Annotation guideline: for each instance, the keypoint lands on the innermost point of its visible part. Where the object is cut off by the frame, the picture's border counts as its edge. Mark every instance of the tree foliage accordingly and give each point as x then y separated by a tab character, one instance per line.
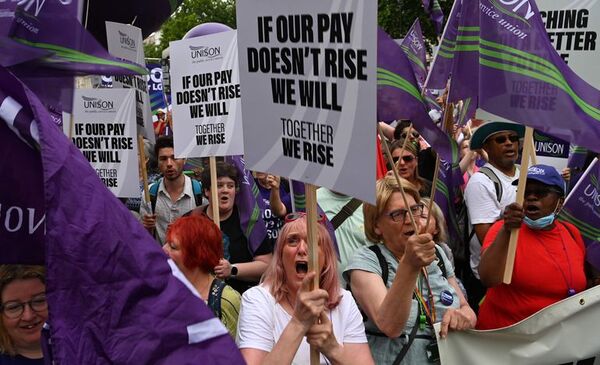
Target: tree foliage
189	14
395	17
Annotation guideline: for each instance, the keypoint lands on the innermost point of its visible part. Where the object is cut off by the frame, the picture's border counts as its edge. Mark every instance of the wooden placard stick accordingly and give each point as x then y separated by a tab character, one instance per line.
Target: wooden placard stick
143	170
214	191
313	248
514	234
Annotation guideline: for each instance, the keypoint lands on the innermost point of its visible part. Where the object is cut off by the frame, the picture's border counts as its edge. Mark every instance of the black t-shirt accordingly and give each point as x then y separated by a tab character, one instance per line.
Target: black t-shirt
239	250
19	360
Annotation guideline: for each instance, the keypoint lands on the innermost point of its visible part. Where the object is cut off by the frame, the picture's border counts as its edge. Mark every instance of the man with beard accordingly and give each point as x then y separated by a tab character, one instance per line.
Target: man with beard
244	268
174	194
490	190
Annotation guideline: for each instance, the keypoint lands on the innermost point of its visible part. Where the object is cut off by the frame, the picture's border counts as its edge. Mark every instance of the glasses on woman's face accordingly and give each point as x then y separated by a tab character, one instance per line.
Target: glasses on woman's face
414	135
399	215
406	159
502	139
14	309
297	215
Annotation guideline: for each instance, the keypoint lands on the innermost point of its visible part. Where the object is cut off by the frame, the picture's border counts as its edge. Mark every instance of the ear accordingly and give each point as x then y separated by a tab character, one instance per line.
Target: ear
206	193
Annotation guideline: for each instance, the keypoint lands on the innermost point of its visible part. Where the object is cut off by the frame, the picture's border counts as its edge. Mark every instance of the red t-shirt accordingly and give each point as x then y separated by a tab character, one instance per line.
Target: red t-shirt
542	274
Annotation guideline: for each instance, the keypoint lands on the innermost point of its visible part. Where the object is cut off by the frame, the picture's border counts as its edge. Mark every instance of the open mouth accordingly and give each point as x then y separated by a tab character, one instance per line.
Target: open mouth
30	326
301	267
531	209
409	233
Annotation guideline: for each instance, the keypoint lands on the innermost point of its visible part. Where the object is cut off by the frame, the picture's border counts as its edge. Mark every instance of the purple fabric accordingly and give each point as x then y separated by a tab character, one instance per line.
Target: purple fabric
249	204
112	297
442	63
521	76
576	162
582	209
433	9
206	29
414	47
398	96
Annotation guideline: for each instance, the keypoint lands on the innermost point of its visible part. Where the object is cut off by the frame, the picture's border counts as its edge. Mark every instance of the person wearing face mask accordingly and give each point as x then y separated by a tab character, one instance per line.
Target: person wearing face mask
550	256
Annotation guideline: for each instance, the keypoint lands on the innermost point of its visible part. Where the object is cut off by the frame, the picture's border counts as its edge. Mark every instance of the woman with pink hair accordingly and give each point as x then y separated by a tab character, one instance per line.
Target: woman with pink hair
281	317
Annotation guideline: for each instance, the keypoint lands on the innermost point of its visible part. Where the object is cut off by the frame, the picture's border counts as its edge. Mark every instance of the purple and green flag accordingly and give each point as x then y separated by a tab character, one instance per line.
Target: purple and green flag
506	60
249	204
113	298
399	96
448	195
582	209
576	162
414	48
433	9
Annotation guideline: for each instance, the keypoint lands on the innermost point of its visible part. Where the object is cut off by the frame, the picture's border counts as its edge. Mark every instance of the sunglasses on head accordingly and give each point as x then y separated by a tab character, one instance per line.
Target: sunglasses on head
502	139
414	134
297	215
406	159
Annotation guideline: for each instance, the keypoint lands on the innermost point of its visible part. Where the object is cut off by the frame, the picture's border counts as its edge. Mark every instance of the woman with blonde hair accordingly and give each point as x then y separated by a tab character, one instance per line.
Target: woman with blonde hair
281	317
24	311
401	314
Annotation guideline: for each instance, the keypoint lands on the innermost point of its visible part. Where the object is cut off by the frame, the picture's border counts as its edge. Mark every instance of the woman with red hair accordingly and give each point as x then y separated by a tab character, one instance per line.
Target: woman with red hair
281	317
194	243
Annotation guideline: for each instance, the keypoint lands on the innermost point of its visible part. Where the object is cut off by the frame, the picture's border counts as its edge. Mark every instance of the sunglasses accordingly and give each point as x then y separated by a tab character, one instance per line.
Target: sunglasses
297	215
541	192
502	139
406	159
414	134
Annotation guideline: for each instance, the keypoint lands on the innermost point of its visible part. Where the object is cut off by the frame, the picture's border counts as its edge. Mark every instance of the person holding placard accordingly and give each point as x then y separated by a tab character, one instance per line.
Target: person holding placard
245	266
277	201
175	194
278	318
382	278
550	256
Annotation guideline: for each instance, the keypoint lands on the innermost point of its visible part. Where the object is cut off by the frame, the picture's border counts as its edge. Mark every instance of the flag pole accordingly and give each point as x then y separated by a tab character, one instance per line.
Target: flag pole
313	245
514	234
214	191
142	154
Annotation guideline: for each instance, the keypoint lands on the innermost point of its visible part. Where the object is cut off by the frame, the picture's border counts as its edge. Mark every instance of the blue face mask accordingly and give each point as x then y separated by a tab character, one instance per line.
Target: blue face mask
539	223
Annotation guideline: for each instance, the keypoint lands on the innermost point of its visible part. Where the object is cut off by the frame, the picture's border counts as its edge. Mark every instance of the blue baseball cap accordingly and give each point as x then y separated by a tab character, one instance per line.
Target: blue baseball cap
547	175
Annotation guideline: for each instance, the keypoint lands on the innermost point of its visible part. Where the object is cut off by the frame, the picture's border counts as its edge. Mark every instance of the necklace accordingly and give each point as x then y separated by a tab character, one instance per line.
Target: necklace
570	290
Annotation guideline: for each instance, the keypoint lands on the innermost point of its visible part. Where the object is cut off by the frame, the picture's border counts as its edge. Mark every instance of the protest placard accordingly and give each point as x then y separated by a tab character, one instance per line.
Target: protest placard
573	30
308	73
125	41
104	131
205	92
550	150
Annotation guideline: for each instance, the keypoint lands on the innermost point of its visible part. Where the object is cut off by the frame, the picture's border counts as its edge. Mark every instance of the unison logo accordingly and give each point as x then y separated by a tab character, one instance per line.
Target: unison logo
518	9
204	52
96	103
126	40
39	4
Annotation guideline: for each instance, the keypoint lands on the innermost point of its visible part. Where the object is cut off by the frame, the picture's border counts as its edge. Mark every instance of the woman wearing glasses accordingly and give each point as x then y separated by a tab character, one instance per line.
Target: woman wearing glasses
281	317
401	314
550	256
24	311
407	163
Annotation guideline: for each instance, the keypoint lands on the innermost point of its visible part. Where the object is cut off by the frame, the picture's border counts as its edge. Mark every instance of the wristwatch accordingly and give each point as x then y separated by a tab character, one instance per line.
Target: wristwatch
234	271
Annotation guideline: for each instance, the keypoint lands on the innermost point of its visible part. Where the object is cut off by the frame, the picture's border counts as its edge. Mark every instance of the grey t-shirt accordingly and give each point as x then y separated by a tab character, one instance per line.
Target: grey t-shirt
386	349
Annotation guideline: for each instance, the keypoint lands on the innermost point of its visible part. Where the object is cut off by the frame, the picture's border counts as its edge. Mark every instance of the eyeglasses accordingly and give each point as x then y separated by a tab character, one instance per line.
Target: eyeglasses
297	215
14	310
541	192
414	134
502	139
399	215
406	159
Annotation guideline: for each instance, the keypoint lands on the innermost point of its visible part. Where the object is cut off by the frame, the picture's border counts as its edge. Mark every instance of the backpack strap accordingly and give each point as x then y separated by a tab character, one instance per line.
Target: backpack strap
345	212
382	263
214	297
441	264
492	176
411	338
568	230
154	192
197	189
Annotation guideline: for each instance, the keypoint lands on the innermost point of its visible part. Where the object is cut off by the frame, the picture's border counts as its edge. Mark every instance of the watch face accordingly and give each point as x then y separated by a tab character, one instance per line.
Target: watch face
234	270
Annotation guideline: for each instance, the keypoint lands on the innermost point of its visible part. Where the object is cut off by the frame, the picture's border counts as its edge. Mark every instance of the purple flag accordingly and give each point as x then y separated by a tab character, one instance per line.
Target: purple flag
433	9
441	66
112	296
448	195
249	204
576	162
508	62
399	97
414	48
582	208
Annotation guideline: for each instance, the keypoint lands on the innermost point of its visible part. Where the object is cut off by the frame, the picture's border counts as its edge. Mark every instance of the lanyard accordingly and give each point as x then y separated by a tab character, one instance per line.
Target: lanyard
427	306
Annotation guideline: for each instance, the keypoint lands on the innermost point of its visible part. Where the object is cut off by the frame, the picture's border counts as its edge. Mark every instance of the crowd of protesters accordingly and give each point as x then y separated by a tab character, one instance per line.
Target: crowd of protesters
367	308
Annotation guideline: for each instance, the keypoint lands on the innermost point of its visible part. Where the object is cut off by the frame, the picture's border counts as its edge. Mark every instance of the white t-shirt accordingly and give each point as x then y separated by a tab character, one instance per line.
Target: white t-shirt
262	321
483	206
